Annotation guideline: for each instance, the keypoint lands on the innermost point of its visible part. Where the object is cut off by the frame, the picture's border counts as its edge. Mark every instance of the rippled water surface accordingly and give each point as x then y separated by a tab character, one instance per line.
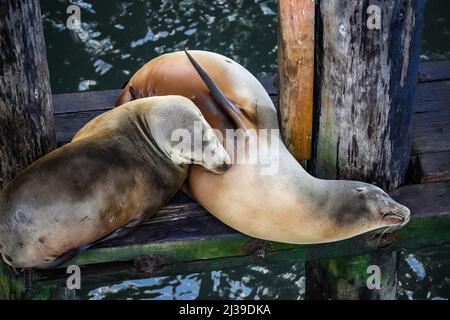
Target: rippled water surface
117	37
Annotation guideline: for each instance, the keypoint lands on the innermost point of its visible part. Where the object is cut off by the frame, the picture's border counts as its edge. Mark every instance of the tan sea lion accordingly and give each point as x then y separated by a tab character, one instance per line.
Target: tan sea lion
121	167
288	206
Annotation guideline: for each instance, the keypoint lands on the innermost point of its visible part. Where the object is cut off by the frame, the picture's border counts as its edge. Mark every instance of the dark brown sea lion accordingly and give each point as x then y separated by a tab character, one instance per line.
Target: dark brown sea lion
120	168
287	204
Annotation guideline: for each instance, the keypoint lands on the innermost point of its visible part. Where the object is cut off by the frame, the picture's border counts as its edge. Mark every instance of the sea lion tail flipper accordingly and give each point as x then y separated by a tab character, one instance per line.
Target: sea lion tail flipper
231	109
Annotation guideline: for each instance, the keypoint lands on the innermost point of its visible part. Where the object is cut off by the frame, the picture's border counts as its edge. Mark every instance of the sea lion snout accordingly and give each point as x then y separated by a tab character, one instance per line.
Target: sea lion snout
397	214
224	167
219	169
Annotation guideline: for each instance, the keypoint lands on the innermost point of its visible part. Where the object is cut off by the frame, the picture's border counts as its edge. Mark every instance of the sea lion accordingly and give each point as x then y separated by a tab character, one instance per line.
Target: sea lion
288	206
119	169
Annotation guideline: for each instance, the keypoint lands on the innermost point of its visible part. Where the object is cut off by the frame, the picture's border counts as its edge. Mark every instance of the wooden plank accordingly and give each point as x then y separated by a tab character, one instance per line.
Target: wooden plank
419	233
268	82
190	234
431	132
434	71
68	124
435	167
84	101
105	100
296	74
425	200
432	96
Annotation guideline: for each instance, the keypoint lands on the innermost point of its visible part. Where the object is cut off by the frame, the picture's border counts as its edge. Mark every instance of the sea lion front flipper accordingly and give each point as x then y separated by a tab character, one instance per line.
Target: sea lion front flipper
119	233
63	258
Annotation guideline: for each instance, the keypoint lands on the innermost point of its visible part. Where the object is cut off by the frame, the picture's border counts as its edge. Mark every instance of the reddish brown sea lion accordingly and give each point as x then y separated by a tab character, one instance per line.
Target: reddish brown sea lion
288	205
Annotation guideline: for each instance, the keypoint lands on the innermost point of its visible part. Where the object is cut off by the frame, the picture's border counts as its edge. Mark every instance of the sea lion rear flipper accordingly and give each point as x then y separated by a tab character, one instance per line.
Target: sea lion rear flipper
233	110
126	95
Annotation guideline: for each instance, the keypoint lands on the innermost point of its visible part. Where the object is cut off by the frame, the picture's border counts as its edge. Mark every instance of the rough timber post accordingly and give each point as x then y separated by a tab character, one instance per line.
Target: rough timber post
296	74
26	115
367	56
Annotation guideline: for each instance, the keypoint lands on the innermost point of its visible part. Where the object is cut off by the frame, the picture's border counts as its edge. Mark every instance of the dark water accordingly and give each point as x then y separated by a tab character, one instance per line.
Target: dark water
117	37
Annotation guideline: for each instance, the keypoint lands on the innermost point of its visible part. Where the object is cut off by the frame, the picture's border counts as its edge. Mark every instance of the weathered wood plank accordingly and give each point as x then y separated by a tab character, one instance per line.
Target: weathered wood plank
419	233
434	71
105	100
435	167
430	205
431	132
268	82
68	124
296	74
425	200
188	235
84	101
432	96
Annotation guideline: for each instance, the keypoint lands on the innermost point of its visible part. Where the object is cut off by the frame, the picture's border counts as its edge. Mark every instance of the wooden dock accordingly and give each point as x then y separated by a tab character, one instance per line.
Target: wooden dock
184	237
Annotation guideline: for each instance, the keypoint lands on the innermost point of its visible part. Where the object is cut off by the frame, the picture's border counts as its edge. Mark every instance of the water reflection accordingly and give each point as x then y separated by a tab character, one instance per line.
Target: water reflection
425	274
254	282
117	37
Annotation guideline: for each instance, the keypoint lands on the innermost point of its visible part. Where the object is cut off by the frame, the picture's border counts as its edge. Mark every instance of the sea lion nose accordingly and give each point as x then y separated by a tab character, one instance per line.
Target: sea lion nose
224	167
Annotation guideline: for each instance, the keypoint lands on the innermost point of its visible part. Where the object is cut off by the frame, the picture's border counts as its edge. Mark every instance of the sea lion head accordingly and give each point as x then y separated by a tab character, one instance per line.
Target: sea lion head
184	135
363	207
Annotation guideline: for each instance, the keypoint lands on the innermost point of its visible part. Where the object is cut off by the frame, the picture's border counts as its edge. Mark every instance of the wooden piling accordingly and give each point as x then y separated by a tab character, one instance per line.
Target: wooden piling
367	57
26	114
366	79
296	74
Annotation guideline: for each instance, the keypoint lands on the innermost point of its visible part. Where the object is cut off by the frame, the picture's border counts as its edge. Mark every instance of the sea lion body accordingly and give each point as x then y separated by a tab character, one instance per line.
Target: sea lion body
288	205
115	172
